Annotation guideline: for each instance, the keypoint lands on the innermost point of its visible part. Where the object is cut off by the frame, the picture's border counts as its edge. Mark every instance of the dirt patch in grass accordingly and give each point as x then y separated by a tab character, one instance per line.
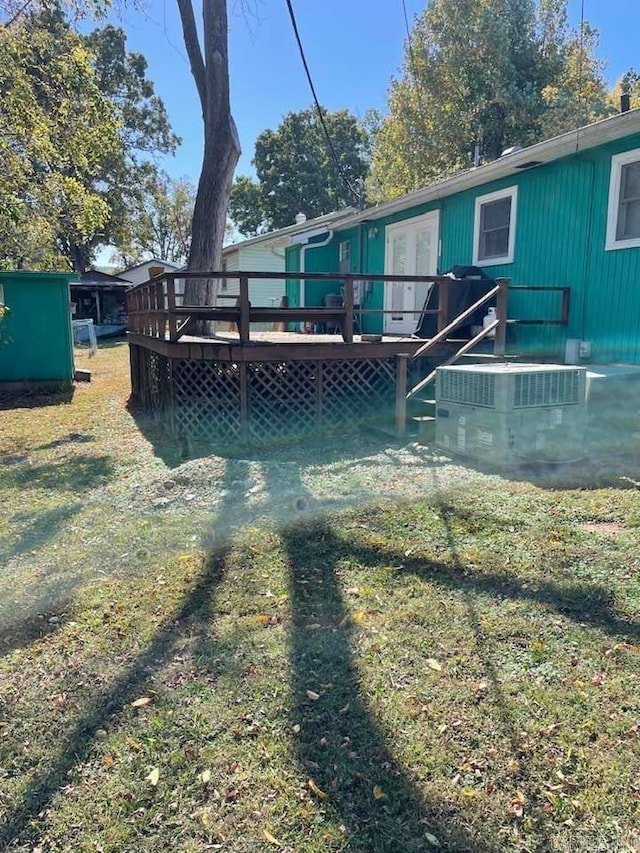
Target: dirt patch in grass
348	647
608	528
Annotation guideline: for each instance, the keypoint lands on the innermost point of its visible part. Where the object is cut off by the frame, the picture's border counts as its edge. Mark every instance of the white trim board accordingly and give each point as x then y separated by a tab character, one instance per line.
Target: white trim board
617	162
507	192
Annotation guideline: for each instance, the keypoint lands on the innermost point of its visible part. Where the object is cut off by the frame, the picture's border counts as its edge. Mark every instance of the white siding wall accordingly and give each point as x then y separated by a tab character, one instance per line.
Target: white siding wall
268	292
141	273
263	293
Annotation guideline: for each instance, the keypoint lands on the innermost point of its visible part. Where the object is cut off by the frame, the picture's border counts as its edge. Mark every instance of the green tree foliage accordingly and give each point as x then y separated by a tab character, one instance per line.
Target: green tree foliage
78	119
297	174
489	72
628	84
161	224
55	125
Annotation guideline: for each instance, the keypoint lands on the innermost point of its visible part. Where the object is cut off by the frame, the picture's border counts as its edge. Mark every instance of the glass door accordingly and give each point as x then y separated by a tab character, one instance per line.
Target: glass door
411	249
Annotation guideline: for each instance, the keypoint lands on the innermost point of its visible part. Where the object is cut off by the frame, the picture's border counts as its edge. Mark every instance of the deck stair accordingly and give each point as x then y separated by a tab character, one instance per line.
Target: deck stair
421	404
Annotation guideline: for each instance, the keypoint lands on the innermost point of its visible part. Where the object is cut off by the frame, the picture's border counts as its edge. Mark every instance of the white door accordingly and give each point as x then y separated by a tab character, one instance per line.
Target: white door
411	249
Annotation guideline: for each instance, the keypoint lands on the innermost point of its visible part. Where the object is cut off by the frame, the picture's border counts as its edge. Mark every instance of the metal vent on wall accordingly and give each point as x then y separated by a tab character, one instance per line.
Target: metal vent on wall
546	389
478	389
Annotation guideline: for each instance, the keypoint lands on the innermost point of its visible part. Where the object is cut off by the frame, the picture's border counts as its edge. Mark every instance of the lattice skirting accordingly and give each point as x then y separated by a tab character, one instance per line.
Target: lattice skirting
262	402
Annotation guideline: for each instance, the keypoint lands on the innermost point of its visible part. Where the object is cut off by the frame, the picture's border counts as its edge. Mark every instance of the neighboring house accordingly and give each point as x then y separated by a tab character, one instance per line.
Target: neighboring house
266	253
100	297
143	272
564	212
36	344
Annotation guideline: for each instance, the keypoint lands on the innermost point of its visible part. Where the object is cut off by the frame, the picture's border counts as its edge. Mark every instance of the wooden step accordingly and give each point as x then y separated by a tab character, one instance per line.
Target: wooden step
426	426
488	356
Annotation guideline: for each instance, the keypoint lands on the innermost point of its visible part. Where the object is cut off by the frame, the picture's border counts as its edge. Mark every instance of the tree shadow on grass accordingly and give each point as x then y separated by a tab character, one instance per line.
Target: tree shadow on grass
104	708
35	399
340	746
80	472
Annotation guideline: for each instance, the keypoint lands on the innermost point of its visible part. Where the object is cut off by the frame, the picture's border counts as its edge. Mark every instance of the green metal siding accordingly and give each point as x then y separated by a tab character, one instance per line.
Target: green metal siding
560	235
37	342
560	240
292	286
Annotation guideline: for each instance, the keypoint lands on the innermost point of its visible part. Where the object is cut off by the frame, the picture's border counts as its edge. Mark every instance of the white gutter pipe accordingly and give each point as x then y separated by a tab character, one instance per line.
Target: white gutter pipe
303	251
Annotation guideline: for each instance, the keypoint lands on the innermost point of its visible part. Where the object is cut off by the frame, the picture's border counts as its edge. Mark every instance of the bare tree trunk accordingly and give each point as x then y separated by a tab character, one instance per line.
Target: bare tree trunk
221	145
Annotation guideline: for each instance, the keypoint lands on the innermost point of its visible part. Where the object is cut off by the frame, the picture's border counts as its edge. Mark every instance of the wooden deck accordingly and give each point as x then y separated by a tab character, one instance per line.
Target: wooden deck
253	387
278	346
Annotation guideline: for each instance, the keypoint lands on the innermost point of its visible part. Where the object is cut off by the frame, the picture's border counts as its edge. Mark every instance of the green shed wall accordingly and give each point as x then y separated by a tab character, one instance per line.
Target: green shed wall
561	224
37	343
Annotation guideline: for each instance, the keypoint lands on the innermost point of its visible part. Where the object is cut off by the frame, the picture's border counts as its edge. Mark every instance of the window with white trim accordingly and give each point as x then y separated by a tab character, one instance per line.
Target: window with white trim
623	218
495	227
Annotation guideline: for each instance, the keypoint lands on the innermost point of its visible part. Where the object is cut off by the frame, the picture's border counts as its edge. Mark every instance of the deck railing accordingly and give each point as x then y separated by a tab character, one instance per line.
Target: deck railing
154	310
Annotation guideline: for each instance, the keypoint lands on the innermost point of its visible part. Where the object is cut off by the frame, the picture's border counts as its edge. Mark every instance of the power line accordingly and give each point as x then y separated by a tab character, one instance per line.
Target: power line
341	171
412	66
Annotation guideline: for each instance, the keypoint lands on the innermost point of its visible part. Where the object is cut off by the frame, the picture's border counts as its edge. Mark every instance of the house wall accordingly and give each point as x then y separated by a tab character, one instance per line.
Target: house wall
560	234
140	274
560	240
36	342
263	293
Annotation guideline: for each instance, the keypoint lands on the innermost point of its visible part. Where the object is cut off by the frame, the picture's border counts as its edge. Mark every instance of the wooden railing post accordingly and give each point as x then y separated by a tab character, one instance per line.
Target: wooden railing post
402	362
347	331
443	303
500	340
171	305
161	330
245	307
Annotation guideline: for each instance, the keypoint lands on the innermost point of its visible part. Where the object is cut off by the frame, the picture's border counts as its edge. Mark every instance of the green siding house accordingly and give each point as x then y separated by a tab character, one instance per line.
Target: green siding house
36	342
562	213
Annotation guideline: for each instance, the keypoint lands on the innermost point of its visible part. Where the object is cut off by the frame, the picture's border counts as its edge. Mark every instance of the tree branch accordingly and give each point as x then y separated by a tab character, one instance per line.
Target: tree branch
194	53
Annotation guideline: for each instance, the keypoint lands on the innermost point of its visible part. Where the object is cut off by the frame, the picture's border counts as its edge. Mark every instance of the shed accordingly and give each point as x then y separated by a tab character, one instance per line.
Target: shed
36	343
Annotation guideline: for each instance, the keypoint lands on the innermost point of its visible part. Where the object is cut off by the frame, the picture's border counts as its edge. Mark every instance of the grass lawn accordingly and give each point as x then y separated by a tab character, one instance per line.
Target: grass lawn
344	648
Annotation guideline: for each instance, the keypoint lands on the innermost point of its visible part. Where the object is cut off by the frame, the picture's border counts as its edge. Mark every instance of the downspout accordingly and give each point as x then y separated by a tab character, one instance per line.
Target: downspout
303	251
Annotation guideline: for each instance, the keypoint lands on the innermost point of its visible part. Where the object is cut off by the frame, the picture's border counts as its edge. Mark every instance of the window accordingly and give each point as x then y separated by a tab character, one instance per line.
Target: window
623	219
495	227
344	256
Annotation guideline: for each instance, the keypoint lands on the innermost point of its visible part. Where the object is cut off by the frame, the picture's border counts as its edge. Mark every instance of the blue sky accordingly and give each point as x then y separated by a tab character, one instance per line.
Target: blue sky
353	47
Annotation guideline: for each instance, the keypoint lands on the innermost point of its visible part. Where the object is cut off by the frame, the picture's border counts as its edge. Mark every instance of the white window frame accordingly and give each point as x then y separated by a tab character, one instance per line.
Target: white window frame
508	192
617	162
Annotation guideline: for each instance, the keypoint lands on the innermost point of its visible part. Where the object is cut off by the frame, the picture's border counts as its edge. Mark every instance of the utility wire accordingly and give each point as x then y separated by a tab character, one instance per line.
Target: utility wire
357	195
580	114
413	68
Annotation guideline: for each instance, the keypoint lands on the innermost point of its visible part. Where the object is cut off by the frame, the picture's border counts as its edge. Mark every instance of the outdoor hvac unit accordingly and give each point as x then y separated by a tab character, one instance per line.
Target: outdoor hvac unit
511	414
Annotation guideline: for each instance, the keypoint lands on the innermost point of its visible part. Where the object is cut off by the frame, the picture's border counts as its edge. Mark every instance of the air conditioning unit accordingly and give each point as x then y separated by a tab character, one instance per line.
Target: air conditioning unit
511	414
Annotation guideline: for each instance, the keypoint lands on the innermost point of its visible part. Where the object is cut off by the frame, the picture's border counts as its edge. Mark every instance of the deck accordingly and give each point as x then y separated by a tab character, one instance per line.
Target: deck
278	346
254	387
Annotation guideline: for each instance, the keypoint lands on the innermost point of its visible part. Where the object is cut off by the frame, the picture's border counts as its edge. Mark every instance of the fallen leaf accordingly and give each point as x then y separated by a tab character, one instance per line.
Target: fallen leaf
108	761
154	776
432	663
378	793
296	729
205	776
134	744
432	840
263	619
271	838
311	694
140	703
316	790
